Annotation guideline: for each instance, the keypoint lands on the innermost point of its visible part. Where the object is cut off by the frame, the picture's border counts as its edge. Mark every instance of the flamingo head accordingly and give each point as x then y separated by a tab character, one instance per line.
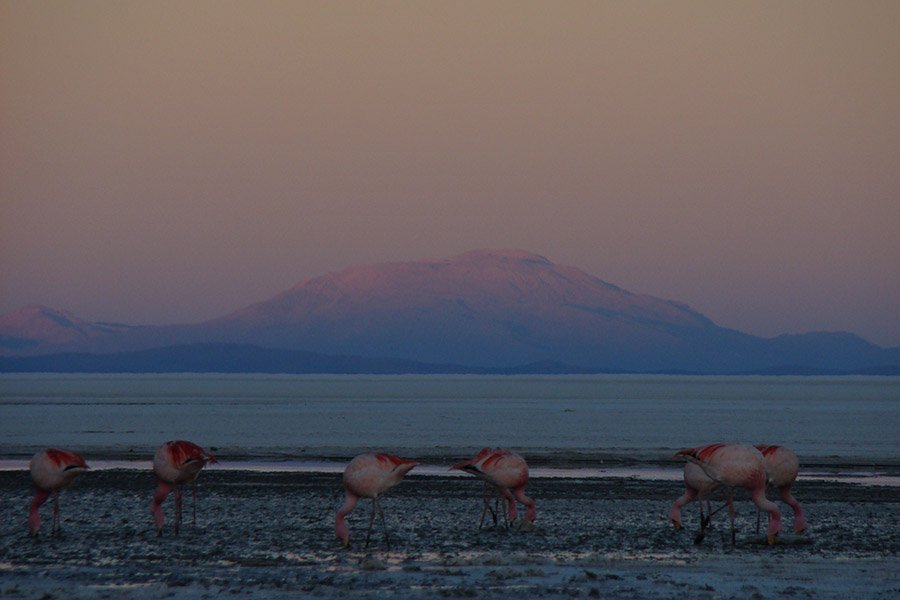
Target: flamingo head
468	467
342	532
405	466
675	517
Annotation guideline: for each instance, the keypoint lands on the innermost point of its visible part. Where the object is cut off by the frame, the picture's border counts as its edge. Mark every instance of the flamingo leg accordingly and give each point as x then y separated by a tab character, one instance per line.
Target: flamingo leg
705	522
387	539
492	492
194	504
178	504
488	495
55	529
704	518
731	518
509	504
371	521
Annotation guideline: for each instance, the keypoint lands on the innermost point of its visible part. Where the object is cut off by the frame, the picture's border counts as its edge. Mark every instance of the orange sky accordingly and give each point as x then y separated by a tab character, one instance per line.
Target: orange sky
172	161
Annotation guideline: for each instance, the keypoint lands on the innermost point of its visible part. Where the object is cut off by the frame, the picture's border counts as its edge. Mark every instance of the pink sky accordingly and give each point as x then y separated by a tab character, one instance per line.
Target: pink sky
168	161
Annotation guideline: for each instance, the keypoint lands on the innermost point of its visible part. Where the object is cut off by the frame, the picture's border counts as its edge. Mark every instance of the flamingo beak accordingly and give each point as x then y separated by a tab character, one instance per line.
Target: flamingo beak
770	539
677	525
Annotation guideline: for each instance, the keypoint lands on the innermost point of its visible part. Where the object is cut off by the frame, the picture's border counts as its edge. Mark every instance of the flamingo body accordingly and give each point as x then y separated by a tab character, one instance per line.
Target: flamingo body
736	466
175	464
782	467
506	471
368	476
51	471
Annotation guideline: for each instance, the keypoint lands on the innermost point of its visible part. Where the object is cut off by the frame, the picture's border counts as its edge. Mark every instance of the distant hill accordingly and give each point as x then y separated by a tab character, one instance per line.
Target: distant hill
243	358
488	310
216	358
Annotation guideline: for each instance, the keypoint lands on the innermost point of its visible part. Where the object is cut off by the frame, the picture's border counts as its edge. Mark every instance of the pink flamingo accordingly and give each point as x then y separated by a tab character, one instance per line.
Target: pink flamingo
782	467
368	476
736	466
176	463
52	470
507	473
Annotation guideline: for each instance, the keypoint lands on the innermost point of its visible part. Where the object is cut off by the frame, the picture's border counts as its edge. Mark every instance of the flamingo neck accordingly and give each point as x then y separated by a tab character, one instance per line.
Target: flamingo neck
34	516
162	490
686	498
340	523
759	498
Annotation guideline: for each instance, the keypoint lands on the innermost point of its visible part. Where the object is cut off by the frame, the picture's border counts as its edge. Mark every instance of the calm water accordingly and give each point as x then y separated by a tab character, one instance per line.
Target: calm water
565	419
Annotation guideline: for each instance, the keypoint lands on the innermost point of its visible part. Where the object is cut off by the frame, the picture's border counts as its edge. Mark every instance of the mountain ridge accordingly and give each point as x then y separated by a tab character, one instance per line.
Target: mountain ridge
493	309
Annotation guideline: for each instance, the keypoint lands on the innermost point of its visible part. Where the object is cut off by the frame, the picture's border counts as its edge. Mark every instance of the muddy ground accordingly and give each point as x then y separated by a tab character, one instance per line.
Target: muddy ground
271	535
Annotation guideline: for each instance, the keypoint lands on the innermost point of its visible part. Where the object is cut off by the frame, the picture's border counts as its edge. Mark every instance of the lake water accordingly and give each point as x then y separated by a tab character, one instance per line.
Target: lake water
554	420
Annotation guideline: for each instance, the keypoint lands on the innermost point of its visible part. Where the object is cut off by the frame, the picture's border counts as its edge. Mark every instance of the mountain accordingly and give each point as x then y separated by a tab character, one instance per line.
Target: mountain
487	309
37	327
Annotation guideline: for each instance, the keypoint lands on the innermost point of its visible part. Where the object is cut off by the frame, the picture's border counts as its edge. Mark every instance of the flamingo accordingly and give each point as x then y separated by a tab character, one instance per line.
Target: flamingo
737	466
174	464
368	476
507	473
782	466
51	471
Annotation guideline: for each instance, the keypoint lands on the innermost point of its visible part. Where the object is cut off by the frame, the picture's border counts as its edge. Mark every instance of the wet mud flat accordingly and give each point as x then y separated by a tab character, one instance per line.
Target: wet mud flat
271	535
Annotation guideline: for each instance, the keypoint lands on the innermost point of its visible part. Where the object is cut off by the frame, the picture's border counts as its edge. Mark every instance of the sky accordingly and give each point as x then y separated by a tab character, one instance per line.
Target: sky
168	162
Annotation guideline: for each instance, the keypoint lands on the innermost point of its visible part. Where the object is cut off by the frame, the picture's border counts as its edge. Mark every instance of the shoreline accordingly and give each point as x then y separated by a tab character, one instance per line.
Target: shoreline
853	475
